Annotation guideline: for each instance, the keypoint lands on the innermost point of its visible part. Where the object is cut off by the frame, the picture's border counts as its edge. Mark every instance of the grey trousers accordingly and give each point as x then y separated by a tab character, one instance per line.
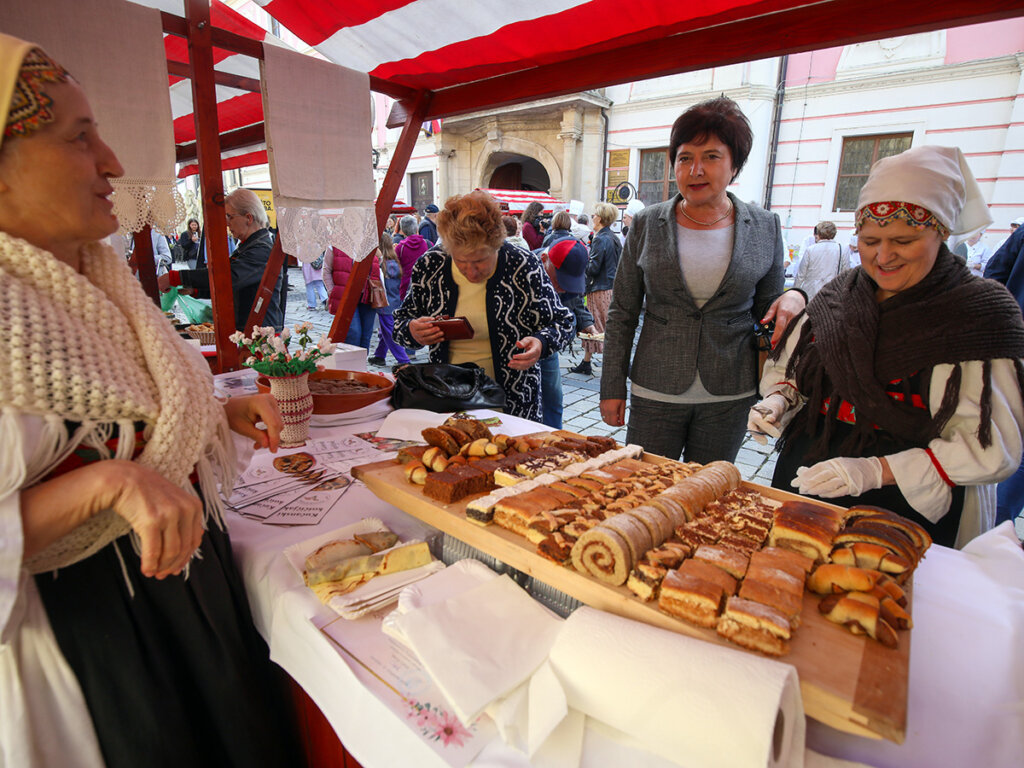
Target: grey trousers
703	432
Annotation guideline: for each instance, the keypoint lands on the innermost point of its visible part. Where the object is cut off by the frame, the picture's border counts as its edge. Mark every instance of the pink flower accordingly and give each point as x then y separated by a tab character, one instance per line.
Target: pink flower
425	718
450	730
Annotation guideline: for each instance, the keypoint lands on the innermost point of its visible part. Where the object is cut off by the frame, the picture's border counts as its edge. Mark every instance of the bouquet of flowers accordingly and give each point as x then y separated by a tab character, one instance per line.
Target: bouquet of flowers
269	352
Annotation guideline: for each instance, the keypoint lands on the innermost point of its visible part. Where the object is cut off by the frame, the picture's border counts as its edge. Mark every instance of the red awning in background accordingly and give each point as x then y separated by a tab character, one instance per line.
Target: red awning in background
485	53
518	199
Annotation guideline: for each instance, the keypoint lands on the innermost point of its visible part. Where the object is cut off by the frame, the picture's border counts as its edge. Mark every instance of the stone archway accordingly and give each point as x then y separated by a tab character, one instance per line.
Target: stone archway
505	149
518	172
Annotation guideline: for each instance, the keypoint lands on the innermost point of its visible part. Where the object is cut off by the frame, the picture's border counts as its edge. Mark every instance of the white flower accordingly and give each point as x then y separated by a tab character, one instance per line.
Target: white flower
286	334
302	355
251	360
325	346
278	345
304	327
237	337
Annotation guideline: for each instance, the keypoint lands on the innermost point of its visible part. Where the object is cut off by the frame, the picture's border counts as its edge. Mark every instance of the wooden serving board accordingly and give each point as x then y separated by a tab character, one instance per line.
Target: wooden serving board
848	682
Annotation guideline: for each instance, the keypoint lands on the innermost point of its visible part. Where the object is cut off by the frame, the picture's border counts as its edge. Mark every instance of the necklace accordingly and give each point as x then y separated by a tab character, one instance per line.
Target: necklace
705	223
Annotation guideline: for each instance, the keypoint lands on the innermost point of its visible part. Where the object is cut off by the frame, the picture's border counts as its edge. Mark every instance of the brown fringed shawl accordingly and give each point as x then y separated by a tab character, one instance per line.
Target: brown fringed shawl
851	347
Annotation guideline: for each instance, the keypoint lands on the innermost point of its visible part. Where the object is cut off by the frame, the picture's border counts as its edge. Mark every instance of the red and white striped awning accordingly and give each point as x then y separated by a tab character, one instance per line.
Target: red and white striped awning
477	54
518	199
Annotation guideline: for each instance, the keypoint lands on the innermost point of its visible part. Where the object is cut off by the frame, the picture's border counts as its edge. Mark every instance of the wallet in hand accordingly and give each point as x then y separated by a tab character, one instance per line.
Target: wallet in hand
454	328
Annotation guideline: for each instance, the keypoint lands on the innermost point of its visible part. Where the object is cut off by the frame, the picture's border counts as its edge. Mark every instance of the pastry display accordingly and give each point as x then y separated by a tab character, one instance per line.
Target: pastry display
688	538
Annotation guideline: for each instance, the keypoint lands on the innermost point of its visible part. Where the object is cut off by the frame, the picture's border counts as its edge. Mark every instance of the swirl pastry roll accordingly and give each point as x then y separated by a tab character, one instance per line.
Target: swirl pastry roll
657	522
603	554
634	532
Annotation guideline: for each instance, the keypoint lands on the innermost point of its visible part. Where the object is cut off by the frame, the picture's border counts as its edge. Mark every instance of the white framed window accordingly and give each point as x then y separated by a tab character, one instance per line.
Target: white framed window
853	150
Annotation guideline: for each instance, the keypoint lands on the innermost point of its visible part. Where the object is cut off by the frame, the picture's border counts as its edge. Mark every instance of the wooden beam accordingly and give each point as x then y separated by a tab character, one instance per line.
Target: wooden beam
182	69
385	199
265	293
721	40
242	137
204	101
229	41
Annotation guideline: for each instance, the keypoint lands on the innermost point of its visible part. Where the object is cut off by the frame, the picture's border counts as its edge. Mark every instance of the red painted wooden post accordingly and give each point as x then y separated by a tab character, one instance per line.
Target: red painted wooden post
265	293
204	109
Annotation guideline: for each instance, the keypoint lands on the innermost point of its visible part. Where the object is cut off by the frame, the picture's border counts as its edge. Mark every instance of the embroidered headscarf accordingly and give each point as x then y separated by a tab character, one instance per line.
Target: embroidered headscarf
926	187
24	71
90	354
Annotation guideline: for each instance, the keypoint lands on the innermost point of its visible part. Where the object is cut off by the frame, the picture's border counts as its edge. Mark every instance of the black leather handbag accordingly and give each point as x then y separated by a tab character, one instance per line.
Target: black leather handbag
443	387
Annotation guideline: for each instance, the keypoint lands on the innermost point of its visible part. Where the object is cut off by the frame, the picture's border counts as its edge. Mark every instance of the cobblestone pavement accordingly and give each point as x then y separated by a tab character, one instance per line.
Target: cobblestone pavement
579	394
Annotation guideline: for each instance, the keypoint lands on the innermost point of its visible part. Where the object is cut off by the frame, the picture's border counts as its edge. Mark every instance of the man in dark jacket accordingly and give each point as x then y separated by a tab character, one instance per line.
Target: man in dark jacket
247	222
428	229
1007	267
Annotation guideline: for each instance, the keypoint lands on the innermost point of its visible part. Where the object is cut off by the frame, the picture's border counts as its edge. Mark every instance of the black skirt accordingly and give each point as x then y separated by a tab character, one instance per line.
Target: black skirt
175	675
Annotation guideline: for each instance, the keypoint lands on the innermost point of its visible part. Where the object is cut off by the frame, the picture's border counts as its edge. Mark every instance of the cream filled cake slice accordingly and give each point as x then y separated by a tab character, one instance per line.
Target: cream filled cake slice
755	626
691	598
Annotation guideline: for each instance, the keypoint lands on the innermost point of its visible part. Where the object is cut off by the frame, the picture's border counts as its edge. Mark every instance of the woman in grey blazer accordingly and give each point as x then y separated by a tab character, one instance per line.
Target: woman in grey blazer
707	266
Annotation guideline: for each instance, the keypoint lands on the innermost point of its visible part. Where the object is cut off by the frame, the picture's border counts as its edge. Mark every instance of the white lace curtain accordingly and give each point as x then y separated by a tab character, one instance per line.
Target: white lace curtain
317	120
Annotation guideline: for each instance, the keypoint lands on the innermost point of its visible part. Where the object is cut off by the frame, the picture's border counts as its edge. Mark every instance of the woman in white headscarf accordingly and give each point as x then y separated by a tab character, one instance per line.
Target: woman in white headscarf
141	652
900	385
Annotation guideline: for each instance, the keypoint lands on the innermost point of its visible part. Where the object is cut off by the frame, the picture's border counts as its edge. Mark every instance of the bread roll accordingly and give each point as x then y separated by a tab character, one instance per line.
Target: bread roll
828	579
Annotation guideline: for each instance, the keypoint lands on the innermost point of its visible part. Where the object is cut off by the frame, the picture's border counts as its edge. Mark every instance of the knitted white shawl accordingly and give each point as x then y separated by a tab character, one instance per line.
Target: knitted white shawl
92	348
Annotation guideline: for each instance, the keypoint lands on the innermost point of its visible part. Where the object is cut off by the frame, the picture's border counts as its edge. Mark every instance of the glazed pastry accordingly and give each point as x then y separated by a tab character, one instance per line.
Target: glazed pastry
860	616
828	579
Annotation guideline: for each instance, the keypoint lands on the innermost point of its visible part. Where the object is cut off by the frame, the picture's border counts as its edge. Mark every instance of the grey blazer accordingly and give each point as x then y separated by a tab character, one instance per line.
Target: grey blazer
678	338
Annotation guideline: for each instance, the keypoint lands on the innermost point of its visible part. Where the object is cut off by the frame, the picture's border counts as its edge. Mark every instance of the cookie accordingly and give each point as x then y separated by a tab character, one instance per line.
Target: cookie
294	463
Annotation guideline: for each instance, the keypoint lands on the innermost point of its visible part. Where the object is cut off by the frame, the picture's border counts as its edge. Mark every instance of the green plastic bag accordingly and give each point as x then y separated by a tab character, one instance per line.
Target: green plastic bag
196	311
168	299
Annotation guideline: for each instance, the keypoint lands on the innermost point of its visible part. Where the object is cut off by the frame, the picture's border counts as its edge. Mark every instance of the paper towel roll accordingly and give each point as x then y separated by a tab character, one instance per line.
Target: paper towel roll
692	702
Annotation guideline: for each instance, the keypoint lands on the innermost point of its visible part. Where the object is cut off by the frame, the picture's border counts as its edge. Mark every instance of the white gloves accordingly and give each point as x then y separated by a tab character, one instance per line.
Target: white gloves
768	418
839	477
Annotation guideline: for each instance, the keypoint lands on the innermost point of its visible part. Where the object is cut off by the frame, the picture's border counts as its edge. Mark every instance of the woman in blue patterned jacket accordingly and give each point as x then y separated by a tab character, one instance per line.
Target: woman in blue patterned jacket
502	290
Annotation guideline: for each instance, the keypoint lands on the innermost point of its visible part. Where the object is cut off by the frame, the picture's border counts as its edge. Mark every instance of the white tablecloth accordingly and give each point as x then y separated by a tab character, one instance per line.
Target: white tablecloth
966	667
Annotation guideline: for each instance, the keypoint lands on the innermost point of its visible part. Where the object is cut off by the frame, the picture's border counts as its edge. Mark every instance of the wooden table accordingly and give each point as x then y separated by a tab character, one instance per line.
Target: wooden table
849	682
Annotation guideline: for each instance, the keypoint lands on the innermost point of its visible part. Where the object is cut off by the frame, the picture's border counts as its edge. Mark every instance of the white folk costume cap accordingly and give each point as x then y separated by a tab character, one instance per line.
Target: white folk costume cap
926	186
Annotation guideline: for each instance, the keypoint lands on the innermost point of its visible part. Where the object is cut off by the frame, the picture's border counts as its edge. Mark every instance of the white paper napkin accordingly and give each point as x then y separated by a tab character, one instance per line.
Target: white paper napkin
409	423
480	644
689	701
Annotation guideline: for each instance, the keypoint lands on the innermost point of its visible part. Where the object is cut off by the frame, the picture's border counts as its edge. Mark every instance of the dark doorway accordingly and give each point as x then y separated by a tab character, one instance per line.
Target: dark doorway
422	189
509	176
515	171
